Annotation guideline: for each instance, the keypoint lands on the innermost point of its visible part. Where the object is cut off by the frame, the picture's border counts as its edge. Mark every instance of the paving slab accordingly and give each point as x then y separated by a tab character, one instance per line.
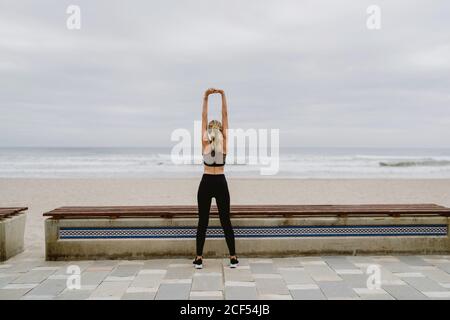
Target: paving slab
173	291
49	287
212	265
373	294
241	291
156	264
110	291
424	284
414	261
387	277
266	285
438	295
295	275
322	273
4	266
437	275
444	267
93	278
271	296
74	294
13	294
207	281
22	267
337	290
37	297
241	273
136	293
126	270
307	294
7	278
396	266
360	259
305	277
149	278
258	267
404	292
206	295
339	262
34	276
287	262
355	280
179	272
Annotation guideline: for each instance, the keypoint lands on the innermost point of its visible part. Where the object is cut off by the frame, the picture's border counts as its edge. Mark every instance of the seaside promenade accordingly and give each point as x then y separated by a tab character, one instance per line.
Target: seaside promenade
29	276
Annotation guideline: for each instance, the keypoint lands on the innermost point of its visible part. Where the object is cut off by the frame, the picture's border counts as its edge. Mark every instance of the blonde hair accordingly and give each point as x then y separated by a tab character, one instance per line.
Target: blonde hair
215	135
215	124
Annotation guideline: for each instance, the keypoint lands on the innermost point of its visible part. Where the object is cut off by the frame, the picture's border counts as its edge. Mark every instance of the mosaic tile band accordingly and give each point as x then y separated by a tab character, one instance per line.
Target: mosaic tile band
256	232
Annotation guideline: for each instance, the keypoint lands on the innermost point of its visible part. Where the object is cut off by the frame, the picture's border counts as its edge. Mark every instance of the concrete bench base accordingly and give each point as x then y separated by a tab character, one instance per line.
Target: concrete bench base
12	231
142	238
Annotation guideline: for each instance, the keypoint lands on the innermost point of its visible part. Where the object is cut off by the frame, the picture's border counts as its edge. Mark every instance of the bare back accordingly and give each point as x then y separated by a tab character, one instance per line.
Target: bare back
206	147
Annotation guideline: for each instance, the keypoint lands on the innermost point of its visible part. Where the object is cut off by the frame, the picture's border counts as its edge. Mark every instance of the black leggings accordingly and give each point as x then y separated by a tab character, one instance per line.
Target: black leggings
214	186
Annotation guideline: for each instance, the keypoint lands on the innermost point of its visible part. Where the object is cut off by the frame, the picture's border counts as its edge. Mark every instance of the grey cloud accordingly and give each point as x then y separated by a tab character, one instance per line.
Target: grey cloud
136	71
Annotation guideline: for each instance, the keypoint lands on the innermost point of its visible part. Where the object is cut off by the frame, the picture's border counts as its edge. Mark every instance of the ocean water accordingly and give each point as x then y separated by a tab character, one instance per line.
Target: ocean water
158	162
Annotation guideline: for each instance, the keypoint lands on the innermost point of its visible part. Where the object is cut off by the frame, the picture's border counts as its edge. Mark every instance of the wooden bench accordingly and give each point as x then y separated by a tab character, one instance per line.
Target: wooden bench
12	230
154	231
372	210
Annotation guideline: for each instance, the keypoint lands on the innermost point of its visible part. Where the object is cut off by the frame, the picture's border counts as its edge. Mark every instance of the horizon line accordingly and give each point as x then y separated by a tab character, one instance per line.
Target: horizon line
165	146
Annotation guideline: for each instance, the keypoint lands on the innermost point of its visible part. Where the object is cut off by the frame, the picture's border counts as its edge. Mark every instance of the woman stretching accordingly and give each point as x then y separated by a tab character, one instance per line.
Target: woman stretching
213	183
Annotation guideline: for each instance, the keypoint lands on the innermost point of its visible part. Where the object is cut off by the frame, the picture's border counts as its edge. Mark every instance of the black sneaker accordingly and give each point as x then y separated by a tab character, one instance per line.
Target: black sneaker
234	262
198	263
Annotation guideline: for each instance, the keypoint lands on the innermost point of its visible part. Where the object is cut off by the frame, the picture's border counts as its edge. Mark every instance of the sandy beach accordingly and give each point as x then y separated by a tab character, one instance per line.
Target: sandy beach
42	195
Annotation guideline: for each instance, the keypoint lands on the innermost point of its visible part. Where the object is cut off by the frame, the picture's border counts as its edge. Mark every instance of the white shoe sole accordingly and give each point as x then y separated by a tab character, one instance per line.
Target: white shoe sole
234	265
198	266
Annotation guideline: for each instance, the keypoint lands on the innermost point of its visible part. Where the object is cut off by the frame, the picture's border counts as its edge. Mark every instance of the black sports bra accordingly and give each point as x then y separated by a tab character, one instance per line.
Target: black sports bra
214	159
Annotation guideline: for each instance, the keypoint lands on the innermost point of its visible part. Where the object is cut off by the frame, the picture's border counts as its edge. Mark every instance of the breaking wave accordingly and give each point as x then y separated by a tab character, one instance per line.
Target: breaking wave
416	163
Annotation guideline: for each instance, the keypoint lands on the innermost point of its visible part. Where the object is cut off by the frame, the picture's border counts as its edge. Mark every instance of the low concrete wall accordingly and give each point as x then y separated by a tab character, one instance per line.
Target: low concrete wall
135	248
12	230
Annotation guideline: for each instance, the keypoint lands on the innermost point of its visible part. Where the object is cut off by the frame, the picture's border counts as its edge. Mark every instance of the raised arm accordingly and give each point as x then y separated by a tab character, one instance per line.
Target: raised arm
224	120
205	116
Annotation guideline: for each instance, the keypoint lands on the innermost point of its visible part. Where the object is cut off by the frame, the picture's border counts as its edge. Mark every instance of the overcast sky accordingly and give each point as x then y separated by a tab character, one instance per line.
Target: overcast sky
137	70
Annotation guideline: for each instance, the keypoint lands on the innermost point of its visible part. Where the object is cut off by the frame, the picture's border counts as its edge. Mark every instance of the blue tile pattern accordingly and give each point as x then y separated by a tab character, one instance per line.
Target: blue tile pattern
257	231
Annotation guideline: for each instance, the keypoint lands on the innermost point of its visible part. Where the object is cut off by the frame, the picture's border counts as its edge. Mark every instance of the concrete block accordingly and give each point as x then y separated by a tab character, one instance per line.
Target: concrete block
12	231
144	248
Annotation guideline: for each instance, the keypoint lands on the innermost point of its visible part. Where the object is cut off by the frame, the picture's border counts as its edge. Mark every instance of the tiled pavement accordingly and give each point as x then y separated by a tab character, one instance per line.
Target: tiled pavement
327	277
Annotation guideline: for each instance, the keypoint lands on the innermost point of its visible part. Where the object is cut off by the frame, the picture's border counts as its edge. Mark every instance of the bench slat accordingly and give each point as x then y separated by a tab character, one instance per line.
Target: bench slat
259	205
254	210
332	208
10	211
